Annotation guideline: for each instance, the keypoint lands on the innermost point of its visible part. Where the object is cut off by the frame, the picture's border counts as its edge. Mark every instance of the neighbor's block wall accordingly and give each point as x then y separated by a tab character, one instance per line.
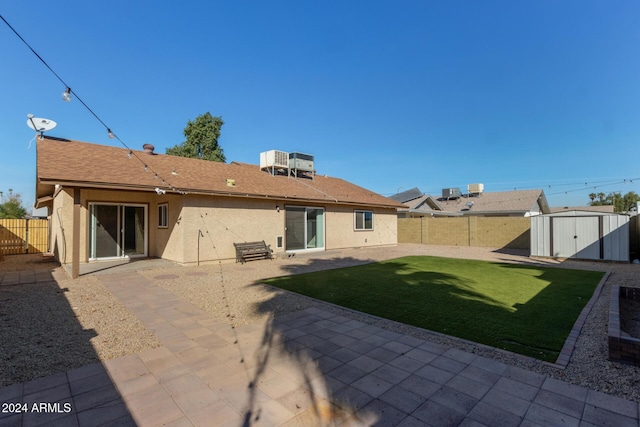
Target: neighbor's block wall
410	230
494	232
498	232
447	231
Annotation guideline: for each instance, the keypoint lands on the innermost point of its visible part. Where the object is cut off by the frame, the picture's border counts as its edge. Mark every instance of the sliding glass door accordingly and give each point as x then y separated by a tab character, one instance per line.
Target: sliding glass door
304	228
117	231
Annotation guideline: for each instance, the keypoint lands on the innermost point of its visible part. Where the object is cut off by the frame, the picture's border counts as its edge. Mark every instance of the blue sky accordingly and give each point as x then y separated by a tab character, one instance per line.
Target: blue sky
388	95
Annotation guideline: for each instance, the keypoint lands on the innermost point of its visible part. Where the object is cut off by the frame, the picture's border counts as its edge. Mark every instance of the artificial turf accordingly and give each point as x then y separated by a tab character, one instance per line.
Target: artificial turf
525	309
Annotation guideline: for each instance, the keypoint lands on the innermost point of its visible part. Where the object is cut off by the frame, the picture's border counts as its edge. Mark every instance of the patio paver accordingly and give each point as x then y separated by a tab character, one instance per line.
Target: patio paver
311	367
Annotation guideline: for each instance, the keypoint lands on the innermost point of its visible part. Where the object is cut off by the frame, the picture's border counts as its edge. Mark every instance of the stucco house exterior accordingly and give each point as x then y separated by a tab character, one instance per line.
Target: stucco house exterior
107	202
516	203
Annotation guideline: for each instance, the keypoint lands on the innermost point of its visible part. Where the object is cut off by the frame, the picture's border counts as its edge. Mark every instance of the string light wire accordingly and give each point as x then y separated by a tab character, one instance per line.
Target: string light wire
69	91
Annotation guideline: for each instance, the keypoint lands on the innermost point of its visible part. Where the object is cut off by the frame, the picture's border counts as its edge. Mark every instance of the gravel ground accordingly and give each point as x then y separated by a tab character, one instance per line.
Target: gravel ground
48	327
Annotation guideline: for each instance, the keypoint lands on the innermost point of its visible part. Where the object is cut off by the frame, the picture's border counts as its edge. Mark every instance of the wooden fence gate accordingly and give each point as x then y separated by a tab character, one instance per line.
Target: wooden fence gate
24	236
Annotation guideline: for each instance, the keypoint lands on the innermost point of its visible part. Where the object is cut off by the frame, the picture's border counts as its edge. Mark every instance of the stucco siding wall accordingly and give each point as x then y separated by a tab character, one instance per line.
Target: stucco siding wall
166	242
161	242
341	233
62	226
204	228
211	225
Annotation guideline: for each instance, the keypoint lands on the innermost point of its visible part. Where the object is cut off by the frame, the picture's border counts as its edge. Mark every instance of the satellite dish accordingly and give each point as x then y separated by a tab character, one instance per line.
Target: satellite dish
39	124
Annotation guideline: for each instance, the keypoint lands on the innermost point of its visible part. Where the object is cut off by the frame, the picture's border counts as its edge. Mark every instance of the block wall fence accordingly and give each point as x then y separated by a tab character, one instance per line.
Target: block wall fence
493	232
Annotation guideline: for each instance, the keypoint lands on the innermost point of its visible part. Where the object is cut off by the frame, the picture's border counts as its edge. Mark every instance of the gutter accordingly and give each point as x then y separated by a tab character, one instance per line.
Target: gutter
182	191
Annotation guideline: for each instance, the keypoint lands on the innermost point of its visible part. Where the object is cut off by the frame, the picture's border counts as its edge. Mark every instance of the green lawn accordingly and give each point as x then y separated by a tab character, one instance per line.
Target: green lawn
524	309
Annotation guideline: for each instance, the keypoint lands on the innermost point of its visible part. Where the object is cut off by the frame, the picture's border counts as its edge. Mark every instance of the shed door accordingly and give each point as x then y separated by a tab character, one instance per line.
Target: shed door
576	237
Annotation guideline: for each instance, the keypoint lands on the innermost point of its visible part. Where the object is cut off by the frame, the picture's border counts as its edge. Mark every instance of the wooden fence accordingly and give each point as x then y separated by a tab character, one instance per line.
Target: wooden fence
23	236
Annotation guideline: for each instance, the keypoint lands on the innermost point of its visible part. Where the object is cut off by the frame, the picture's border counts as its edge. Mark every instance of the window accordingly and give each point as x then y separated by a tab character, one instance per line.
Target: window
163	215
363	220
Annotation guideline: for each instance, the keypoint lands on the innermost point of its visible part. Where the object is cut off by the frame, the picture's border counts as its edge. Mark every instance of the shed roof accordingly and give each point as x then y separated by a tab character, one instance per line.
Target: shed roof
75	163
606	208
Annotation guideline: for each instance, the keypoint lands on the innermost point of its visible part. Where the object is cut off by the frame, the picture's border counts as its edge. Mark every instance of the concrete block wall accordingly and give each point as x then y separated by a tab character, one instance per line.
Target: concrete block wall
494	232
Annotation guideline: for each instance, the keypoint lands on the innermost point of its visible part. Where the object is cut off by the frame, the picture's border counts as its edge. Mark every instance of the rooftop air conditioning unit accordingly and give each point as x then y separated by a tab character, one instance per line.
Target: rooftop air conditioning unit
475	188
301	162
451	193
274	158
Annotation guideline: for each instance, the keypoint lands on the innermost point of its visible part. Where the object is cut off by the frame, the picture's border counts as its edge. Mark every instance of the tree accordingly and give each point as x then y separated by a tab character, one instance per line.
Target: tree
11	206
630	200
619	202
202	139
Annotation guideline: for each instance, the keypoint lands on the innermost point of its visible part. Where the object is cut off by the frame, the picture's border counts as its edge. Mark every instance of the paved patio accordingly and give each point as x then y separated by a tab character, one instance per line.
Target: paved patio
310	368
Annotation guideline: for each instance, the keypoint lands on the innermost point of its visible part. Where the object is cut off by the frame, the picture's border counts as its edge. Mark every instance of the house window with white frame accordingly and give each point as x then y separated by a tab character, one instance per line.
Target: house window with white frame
363	220
163	215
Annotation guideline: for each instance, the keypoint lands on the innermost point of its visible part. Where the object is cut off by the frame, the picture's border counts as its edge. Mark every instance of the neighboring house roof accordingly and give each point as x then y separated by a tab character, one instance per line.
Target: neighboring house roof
408	195
75	163
507	202
606	209
504	202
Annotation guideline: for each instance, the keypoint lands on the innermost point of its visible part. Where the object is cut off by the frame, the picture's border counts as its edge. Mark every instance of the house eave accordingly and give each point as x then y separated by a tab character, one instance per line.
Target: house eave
187	191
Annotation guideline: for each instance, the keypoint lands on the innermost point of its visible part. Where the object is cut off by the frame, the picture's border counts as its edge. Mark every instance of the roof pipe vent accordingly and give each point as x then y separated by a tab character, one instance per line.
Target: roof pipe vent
148	148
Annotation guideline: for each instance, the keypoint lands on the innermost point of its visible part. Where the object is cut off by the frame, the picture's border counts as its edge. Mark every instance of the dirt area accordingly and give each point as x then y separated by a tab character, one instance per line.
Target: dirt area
27	262
55	325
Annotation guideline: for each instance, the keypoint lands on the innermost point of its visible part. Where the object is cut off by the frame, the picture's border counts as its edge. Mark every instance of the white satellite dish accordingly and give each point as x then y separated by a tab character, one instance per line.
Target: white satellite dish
39	124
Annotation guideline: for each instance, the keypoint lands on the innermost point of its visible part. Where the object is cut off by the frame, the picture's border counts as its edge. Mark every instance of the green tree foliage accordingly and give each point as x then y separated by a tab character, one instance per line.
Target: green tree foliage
619	202
11	206
202	139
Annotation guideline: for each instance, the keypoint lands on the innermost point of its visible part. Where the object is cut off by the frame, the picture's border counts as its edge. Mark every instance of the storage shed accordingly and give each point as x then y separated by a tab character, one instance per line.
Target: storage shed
581	235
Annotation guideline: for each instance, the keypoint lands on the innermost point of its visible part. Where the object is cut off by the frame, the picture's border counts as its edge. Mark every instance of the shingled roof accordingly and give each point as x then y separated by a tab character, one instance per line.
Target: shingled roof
81	164
502	202
516	201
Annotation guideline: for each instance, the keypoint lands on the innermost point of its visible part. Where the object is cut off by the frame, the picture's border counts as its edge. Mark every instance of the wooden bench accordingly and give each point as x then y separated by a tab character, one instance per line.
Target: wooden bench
250	251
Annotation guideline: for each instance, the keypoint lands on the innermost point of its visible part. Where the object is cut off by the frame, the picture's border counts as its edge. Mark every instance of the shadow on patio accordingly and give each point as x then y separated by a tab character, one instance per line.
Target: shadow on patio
46	354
